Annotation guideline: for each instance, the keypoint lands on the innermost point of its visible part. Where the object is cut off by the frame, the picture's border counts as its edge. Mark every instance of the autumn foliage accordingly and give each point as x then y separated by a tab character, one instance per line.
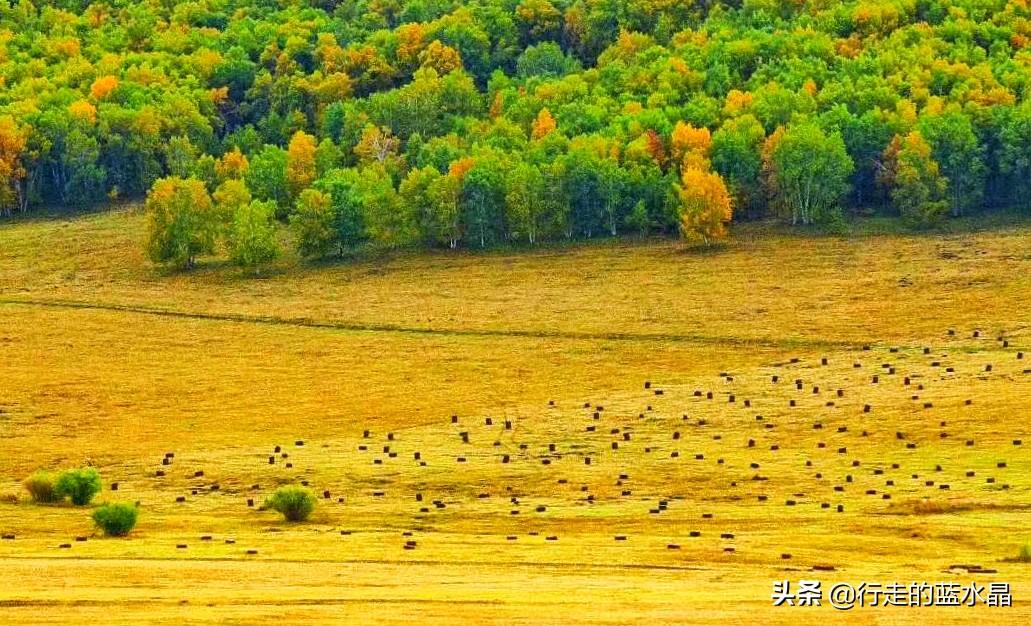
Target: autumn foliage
601	107
543	125
12	144
690	146
300	167
705	206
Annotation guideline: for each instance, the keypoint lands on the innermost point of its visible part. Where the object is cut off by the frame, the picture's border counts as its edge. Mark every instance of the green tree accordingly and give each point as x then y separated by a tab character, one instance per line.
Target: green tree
483	201
266	177
313	224
445	225
180	157
252	239
414	193
811	170
388	221
545	59
736	155
183	221
346	188
1015	155
228	197
524	202
581	172
960	155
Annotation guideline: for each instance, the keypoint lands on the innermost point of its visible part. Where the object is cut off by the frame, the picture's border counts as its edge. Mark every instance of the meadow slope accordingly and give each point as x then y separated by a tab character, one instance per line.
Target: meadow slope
688	510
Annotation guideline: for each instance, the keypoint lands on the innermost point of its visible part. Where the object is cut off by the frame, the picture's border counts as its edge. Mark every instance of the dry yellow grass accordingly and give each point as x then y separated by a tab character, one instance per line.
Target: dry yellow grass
102	357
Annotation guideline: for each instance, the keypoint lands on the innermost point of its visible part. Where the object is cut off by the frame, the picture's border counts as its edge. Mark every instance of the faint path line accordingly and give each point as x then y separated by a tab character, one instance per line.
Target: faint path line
305	322
556	565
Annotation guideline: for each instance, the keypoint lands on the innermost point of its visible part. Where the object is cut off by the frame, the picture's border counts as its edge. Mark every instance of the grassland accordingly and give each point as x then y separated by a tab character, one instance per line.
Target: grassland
104	358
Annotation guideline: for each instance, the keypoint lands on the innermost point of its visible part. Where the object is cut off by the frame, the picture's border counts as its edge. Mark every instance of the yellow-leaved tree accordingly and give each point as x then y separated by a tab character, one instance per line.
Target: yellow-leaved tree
705	206
690	146
300	162
442	58
543	125
83	110
12	143
232	165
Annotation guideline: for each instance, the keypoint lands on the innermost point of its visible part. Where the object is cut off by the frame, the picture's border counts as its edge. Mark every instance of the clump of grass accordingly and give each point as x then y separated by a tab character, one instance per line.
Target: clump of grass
1024	556
116	519
41	487
295	503
81	485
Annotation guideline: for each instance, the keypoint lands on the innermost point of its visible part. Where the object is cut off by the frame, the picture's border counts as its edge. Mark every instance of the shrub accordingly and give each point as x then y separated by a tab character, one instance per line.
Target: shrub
117	519
79	484
295	503
41	487
1024	556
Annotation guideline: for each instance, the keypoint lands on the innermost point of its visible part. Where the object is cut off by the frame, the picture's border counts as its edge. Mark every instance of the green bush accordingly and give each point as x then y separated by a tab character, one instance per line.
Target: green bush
41	487
117	519
295	503
79	484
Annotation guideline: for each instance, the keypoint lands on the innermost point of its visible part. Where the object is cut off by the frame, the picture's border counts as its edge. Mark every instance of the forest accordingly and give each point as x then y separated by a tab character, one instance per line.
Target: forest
470	124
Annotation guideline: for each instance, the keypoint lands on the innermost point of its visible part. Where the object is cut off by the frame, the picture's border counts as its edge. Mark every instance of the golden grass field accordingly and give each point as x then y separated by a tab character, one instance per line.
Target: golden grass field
107	359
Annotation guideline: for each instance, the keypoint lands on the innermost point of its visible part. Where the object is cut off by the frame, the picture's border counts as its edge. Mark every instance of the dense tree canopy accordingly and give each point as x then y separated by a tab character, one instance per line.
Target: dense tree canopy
475	123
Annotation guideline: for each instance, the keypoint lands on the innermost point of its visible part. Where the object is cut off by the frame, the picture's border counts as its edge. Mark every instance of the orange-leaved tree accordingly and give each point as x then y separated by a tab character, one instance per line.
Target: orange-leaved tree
12	171
705	206
543	125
